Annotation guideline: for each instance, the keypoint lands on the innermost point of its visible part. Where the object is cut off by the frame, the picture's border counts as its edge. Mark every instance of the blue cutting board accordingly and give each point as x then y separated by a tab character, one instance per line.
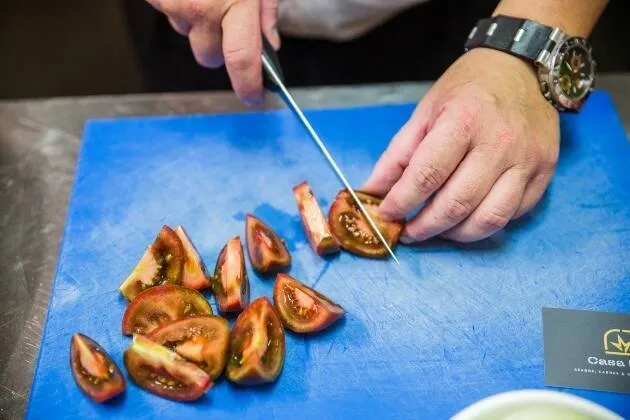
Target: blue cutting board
453	325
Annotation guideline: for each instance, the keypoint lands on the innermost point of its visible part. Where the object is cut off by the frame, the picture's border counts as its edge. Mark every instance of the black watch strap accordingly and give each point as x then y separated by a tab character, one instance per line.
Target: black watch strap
520	37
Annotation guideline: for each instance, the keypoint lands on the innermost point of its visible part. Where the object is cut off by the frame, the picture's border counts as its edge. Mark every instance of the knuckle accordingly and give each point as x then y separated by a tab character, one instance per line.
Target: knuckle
457	209
492	221
196	9
426	179
239	58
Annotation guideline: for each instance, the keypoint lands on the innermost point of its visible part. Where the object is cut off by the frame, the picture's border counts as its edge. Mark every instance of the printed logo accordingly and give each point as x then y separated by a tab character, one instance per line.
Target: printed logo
617	342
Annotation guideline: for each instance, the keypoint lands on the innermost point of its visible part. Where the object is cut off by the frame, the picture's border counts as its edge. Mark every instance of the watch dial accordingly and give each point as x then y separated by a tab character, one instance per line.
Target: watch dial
574	70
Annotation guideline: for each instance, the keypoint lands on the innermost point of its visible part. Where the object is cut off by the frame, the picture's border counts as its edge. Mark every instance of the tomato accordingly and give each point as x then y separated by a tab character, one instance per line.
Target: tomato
163	372
203	340
161	304
231	284
354	232
161	263
94	370
256	345
303	309
266	251
194	274
315	224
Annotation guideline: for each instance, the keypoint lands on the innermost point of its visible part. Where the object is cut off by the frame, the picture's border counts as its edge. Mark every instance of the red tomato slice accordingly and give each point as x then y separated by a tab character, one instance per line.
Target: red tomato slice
303	309
93	369
231	283
194	273
160	305
354	232
163	372
267	253
257	345
161	263
203	340
315	224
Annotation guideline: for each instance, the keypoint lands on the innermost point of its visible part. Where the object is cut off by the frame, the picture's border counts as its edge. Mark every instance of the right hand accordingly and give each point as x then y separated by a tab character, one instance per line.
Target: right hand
227	32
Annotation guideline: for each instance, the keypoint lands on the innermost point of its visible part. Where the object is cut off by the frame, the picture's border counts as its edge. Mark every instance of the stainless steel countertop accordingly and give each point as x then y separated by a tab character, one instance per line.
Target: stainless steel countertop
39	141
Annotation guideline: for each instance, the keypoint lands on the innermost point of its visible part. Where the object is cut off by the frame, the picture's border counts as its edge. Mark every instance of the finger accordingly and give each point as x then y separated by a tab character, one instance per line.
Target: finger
395	159
242	49
269	21
205	42
431	163
495	211
180	26
533	193
459	197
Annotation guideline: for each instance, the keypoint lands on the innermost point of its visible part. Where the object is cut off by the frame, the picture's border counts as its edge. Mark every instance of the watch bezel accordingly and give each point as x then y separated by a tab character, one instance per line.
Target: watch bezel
549	75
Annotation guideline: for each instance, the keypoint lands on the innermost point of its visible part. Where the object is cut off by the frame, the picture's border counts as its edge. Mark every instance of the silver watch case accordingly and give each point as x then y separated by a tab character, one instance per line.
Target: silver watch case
548	64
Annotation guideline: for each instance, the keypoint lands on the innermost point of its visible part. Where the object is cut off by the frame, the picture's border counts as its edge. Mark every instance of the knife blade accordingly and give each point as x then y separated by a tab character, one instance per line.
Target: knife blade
274	81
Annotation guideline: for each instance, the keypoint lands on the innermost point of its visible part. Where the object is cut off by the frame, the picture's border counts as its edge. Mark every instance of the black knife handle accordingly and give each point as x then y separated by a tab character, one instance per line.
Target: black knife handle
270	53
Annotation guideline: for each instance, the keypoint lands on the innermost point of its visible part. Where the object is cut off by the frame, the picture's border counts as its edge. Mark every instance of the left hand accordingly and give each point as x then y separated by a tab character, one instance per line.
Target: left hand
483	143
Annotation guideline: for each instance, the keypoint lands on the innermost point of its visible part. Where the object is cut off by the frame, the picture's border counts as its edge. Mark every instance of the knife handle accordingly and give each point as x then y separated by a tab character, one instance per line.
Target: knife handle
270	53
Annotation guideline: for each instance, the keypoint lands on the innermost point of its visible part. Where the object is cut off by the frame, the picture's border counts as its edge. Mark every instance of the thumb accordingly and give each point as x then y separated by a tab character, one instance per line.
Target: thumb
269	22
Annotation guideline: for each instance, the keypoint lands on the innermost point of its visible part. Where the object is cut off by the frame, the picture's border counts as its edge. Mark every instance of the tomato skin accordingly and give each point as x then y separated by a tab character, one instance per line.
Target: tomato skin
108	381
231	283
194	274
162	263
322	313
161	304
267	252
213	353
314	222
352	229
257	345
163	372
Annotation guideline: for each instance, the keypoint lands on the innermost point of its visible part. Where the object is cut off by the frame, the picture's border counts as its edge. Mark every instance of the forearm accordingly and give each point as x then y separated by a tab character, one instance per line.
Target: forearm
575	17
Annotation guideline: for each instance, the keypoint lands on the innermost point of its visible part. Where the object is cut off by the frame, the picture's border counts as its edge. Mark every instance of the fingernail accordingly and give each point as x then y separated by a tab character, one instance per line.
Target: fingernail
275	38
406	240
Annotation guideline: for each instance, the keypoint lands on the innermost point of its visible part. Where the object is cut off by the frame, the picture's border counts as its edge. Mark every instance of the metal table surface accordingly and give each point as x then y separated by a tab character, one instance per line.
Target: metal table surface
39	141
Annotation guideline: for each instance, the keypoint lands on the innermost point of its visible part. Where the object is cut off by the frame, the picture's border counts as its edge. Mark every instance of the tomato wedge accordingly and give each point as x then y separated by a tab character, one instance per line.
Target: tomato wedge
231	284
161	263
257	345
163	372
315	224
93	369
303	309
194	274
203	340
161	304
353	231
266	251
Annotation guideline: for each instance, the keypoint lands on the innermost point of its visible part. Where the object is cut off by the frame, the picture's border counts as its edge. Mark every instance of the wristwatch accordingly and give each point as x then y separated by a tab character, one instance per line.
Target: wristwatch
565	64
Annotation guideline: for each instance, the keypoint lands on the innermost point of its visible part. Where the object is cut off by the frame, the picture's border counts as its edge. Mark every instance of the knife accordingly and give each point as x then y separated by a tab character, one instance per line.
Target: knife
274	81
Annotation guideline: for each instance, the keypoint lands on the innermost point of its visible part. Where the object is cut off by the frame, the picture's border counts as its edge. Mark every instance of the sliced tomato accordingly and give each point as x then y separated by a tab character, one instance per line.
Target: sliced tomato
303	309
163	372
162	263
194	275
315	224
161	304
267	252
94	370
354	232
231	284
257	345
203	340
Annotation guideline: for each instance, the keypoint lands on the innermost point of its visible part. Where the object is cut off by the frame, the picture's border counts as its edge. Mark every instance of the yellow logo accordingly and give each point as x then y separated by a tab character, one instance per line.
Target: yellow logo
617	342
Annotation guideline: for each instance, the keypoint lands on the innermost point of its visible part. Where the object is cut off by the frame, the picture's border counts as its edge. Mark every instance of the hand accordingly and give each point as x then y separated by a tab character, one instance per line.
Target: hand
227	31
482	146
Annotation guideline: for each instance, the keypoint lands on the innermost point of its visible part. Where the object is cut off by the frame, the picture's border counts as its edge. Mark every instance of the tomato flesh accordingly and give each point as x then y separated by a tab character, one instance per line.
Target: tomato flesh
231	283
203	340
93	369
194	272
161	263
315	224
257	345
354	232
163	372
302	308
162	304
267	253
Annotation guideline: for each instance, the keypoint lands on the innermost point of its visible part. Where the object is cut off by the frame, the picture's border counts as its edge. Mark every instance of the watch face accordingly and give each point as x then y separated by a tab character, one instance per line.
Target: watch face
573	73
